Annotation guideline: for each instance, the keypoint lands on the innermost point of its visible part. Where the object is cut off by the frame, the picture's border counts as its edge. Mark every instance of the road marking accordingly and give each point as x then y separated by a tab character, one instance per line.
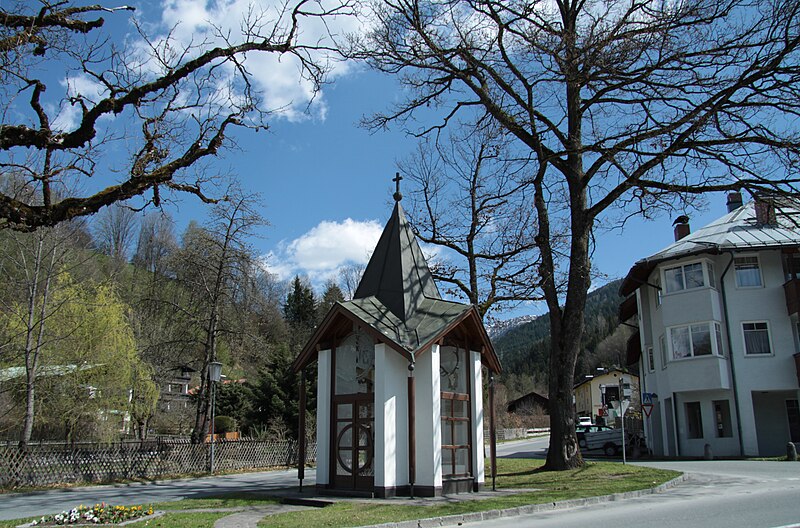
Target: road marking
788	526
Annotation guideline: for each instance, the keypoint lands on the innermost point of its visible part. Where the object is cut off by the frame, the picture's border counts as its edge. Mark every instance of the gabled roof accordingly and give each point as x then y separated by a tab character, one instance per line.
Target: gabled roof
610	371
397	302
532	398
738	230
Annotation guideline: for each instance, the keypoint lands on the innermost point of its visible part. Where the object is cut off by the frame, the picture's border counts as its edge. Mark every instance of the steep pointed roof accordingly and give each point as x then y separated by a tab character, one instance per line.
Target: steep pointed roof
398	303
397	275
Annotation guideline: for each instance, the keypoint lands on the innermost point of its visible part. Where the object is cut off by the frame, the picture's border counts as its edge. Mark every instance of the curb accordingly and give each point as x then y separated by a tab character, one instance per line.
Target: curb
451	520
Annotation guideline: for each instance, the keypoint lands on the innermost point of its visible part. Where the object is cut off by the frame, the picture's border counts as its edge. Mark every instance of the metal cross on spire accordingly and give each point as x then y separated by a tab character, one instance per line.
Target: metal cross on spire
397	195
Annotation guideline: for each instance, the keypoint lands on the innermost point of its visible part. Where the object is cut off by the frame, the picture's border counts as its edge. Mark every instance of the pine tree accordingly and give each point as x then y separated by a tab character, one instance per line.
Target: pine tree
331	296
300	311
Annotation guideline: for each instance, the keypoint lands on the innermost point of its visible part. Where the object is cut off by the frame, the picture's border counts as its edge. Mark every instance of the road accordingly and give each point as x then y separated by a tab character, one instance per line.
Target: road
718	494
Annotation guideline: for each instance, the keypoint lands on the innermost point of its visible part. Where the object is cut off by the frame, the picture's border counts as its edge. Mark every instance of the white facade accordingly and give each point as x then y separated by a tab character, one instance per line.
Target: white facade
718	345
390	443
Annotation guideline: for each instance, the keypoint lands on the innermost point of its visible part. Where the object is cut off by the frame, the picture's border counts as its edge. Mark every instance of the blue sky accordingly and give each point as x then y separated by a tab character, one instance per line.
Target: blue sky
325	182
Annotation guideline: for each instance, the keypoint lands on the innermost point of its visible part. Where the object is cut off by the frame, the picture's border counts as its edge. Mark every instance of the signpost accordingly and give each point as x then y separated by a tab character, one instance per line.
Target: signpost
624	402
647	403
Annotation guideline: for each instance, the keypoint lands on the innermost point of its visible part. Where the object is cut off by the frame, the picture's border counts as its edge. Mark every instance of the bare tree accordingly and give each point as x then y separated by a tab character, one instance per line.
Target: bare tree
114	231
155	243
215	265
349	277
173	103
624	106
473	198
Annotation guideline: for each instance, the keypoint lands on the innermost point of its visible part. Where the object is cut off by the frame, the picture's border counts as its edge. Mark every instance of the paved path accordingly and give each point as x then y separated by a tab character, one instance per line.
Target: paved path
249	517
19	505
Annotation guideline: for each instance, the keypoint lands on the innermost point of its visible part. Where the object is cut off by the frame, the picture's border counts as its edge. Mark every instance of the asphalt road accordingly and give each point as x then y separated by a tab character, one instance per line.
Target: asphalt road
717	494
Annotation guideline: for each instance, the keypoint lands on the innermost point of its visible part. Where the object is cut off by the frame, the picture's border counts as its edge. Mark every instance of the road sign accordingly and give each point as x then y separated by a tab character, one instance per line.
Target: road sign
647	398
647	408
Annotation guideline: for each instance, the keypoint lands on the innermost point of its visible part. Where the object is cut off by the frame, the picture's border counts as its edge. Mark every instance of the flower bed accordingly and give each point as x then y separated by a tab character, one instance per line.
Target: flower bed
98	514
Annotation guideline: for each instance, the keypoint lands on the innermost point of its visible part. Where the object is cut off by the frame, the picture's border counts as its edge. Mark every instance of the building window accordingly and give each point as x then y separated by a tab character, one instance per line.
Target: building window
657	288
694	420
455	435
748	272
718	333
685	277
651	360
662	344
722	418
455	412
691	341
756	338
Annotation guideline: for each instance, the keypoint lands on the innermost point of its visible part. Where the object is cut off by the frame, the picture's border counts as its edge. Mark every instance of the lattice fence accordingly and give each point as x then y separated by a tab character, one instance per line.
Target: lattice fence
58	463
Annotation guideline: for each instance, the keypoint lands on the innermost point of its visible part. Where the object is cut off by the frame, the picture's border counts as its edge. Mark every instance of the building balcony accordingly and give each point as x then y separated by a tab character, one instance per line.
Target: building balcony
792	290
699	373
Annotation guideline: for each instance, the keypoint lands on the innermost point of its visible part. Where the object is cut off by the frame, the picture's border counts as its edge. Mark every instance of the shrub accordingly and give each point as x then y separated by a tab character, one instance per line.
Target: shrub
224	424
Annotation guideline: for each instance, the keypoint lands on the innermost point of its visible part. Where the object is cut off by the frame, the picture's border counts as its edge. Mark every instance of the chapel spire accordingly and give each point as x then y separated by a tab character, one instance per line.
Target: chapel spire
397	273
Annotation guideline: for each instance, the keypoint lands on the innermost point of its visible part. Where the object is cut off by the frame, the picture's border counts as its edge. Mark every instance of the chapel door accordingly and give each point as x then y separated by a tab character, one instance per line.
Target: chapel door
354	437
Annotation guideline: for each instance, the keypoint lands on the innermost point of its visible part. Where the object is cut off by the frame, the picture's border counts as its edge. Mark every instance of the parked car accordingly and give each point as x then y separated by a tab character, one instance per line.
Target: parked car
584	420
609	440
581	431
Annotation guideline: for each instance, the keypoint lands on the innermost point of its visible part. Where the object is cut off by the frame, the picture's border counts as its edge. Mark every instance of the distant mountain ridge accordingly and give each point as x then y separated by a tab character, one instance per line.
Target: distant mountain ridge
497	329
523	345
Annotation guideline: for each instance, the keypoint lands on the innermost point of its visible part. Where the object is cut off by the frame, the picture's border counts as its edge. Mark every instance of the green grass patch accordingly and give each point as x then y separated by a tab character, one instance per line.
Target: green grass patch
234	500
183	520
594	479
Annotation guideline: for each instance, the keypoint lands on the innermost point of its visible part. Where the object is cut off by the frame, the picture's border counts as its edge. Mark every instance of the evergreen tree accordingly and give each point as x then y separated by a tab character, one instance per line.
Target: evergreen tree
330	296
235	399
300	311
300	305
275	395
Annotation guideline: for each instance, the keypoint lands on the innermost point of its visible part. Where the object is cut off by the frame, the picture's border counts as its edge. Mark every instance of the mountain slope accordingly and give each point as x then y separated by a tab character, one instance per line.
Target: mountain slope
524	349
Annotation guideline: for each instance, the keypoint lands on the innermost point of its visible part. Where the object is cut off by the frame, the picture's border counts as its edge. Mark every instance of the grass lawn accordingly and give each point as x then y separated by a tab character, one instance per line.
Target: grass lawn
595	478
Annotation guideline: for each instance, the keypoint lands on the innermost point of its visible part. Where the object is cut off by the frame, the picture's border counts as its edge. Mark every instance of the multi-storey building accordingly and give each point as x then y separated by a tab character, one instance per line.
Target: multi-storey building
717	345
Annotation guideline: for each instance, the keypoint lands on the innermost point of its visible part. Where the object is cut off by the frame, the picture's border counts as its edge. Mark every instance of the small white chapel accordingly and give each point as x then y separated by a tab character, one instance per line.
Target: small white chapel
400	376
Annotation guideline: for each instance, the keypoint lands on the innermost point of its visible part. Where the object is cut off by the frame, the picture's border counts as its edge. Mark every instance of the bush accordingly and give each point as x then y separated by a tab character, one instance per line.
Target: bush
224	424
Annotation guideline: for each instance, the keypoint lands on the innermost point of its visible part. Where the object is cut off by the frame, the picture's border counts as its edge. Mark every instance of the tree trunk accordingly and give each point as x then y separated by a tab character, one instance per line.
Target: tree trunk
32	348
567	331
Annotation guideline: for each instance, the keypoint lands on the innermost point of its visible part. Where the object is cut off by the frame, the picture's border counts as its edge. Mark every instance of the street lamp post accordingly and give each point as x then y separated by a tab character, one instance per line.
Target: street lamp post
214	375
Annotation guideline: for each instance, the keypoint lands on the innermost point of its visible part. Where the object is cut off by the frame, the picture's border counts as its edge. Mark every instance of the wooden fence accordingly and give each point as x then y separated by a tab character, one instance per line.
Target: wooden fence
61	463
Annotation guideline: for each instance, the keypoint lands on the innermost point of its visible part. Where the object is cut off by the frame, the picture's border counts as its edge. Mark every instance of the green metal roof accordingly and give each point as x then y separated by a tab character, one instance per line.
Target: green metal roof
397	274
429	319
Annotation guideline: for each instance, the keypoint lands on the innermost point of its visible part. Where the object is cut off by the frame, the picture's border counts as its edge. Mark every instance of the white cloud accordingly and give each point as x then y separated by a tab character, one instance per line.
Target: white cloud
325	249
69	114
277	77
